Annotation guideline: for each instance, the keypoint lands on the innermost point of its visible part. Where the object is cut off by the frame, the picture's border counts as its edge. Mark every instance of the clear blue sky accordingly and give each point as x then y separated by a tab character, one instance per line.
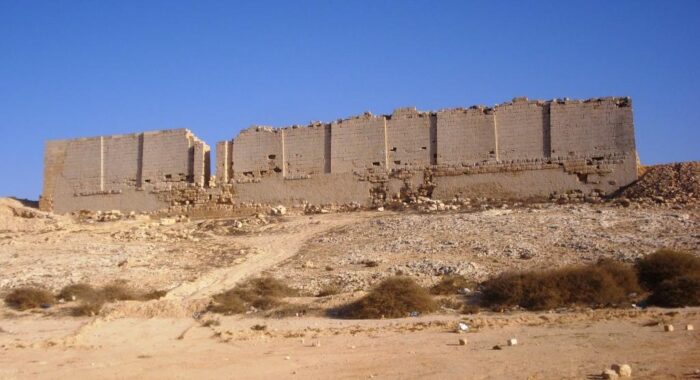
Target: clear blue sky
84	68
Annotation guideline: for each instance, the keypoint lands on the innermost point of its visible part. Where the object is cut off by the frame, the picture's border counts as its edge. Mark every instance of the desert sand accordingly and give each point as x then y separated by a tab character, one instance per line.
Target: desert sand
192	259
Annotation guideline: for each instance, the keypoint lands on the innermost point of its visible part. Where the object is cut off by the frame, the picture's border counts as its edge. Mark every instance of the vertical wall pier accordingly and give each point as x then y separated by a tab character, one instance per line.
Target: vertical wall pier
433	139
102	163
327	148
547	132
139	163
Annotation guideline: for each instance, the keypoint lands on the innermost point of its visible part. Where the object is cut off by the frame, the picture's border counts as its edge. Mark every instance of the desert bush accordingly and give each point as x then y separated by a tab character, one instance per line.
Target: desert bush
666	264
262	293
154	295
91	299
88	307
329	290
228	303
119	292
263	287
678	291
624	276
80	291
673	277
451	284
470	309
395	297
29	298
605	283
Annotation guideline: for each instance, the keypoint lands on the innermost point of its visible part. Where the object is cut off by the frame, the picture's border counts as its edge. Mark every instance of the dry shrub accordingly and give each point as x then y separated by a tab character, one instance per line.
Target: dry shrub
29	298
91	300
329	290
673	278
666	264
154	294
451	284
606	283
77	292
470	309
677	292
262	293
228	303
88	308
119	292
264	287
394	297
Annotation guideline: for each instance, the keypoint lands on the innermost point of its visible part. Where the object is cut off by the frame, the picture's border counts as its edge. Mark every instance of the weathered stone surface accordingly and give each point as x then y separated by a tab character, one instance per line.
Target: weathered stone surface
519	149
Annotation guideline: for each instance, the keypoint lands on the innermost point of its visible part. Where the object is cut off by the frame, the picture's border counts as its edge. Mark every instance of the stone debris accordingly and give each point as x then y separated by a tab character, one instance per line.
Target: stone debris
624	370
463	342
610	374
167	221
278	211
677	183
462	327
689	327
668	328
512	342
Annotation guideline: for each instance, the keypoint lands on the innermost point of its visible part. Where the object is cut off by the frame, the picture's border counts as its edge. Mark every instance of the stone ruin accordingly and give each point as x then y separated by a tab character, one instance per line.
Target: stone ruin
516	150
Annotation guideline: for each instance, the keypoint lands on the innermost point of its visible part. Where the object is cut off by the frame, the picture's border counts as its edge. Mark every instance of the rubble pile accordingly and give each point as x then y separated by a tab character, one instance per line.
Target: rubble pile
677	183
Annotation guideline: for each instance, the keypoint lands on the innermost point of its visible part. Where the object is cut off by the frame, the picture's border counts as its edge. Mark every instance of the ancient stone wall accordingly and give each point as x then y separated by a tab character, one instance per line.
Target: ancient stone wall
517	149
466	136
411	139
115	171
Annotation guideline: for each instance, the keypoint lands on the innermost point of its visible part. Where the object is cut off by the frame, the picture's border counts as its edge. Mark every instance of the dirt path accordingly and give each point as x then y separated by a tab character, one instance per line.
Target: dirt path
271	250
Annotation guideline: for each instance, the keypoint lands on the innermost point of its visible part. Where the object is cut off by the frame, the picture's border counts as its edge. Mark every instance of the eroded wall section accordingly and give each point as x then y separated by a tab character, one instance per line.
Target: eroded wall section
124	172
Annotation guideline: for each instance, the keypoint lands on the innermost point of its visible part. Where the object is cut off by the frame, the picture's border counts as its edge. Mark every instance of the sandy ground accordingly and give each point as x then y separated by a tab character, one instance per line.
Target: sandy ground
169	338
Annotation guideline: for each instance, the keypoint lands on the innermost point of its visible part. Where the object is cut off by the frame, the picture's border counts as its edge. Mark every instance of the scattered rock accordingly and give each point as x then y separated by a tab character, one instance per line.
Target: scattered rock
167	221
610	374
668	328
689	327
463	342
512	342
624	370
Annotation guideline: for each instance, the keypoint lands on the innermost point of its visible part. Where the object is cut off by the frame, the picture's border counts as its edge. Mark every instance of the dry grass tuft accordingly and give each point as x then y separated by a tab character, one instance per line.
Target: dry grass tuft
80	291
673	278
395	297
666	264
91	300
227	303
329	290
677	292
604	284
451	284
261	293
29	298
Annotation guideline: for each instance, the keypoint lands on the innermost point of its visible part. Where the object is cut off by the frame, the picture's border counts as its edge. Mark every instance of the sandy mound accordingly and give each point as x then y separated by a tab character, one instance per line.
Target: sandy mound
21	215
673	183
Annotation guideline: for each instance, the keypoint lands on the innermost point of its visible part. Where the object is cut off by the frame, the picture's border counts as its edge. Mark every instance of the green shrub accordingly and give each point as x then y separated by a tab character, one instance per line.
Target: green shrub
394	297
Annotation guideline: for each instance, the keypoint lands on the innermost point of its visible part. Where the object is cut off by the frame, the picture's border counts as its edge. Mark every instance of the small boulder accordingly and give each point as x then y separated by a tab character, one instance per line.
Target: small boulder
512	342
624	370
689	327
463	342
668	328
